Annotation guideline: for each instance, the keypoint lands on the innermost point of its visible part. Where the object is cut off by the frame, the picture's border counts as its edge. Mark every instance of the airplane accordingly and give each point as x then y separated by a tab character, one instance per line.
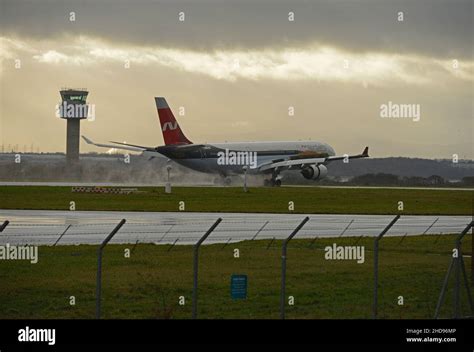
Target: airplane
267	158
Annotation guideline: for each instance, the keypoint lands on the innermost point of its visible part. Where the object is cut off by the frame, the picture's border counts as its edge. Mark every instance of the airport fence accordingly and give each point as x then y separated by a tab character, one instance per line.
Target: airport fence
171	234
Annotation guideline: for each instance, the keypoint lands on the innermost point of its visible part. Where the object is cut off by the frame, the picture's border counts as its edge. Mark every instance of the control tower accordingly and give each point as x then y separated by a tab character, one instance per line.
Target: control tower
73	108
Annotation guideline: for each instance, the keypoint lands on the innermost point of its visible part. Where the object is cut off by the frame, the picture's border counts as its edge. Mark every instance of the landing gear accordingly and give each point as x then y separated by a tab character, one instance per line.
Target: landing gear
272	182
223	180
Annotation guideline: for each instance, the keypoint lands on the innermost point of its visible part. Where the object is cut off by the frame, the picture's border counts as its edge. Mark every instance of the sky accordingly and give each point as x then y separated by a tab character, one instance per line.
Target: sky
244	71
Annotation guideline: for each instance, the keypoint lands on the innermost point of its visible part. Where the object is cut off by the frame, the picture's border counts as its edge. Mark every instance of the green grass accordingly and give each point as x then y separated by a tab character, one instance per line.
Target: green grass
312	200
150	282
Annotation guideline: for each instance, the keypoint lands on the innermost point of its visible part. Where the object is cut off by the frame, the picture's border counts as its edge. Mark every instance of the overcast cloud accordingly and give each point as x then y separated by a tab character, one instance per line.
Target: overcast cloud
237	66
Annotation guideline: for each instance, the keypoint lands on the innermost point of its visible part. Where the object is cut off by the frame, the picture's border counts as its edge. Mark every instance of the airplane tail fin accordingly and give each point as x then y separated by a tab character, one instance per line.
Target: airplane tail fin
172	133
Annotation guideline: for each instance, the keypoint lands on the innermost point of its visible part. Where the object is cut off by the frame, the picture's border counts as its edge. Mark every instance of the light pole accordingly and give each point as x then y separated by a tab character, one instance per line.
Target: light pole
168	183
245	178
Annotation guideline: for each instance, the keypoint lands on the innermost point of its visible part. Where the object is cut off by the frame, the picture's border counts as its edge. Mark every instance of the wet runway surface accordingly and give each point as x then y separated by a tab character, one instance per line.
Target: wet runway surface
41	227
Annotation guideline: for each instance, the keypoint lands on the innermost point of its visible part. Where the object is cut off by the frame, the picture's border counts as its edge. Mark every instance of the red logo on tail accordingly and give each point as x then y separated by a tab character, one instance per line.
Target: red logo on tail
172	133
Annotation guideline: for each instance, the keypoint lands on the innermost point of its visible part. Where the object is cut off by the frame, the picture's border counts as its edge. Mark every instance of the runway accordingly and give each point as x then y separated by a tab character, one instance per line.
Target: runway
43	227
194	184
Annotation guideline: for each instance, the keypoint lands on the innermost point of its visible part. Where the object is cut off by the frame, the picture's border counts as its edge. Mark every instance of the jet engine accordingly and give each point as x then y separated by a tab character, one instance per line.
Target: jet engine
314	172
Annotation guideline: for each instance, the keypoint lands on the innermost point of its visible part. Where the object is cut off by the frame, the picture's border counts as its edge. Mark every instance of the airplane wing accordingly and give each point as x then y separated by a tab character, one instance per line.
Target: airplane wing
300	163
291	163
365	154
118	145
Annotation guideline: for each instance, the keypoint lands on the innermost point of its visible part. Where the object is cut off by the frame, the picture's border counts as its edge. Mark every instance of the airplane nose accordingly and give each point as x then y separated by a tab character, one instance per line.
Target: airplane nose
331	150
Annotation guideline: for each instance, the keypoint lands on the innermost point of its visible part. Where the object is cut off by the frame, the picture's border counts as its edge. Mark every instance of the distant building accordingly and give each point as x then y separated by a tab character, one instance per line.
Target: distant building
73	108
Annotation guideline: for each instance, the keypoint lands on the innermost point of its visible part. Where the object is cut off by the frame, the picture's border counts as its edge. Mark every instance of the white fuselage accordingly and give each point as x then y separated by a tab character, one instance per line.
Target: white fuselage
231	158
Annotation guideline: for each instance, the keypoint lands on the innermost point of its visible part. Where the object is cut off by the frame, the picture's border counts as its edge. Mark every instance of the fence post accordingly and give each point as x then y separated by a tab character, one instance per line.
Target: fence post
443	289
405	235
134	246
429	227
167	231
61	236
460	265
99	268
358	239
312	242
196	264
4	225
173	244
472	251
344	231
271	242
225	244
376	263
283	266
260	230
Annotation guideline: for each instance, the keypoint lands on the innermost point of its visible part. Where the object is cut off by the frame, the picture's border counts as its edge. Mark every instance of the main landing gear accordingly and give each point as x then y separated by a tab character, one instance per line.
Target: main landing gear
275	181
223	180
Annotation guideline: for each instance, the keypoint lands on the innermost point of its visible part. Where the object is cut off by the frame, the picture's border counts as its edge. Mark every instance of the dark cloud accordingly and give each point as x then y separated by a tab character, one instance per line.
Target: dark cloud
441	28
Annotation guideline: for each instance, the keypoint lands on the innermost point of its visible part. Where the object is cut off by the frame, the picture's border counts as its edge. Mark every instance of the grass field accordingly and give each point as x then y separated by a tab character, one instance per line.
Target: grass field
231	199
150	282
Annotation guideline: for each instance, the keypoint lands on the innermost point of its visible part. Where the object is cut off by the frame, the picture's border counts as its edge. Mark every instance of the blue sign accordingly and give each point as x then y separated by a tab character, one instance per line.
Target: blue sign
238	286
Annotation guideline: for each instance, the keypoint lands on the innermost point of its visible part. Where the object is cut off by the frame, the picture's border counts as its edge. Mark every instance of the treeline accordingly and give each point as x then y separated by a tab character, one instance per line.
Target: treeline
383	179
